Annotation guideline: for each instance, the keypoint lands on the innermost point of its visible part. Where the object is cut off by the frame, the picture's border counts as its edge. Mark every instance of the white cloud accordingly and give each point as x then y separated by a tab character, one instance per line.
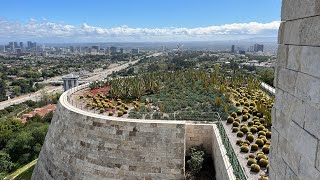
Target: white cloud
52	31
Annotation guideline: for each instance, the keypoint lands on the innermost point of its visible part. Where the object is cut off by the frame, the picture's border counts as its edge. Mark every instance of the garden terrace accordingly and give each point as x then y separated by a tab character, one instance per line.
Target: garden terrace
101	146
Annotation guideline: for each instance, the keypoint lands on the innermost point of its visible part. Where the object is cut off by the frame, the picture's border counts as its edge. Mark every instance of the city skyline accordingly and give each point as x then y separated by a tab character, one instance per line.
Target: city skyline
100	21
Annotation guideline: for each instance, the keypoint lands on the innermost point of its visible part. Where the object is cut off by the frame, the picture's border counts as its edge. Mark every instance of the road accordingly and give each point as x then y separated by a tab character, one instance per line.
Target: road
59	89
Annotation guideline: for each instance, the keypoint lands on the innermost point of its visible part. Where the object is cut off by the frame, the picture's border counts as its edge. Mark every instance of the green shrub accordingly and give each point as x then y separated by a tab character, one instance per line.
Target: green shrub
263	178
260	142
251	161
262	120
230	120
263	163
196	161
252	156
240	134
237	104
254	147
255	168
250	123
244	148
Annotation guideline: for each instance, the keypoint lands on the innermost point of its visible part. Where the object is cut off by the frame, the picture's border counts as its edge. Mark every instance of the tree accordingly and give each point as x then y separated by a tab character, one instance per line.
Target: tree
5	162
2	90
266	75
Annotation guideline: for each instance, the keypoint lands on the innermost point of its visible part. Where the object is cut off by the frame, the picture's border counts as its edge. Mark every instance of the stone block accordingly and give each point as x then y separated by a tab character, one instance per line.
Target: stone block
296	9
290	175
282	55
302	141
312	121
301	32
308	89
287	80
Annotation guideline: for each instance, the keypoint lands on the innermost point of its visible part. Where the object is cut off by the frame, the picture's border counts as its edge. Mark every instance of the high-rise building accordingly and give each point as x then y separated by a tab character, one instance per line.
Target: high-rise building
29	44
15	45
258	47
135	51
21	45
121	50
113	49
11	46
233	49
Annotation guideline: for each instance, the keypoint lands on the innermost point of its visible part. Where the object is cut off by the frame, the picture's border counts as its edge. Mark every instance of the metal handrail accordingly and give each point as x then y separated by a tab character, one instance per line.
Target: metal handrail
237	168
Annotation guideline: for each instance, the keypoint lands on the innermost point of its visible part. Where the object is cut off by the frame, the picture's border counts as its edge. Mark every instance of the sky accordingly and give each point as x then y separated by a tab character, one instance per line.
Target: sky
137	20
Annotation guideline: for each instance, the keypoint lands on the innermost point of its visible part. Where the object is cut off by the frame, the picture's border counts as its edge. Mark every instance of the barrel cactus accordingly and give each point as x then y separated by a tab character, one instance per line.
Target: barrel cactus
255	168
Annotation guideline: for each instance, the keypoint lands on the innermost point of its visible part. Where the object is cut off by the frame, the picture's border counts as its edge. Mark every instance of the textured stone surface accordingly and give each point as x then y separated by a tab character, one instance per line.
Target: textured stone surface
84	147
296	114
296	9
197	134
301	32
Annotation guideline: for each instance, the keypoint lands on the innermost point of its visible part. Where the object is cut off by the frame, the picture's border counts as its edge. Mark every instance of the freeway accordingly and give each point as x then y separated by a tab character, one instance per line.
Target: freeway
59	89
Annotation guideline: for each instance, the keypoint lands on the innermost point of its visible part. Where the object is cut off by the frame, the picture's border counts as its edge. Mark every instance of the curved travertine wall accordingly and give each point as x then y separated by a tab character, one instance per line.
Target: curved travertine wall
295	147
83	145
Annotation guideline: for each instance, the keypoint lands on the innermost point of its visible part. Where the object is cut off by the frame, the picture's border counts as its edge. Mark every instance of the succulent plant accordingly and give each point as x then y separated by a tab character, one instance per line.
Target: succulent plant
120	113
255	168
263	178
239	142
244	148
237	120
253	130
262	120
251	156
261	133
110	114
261	156
235	129
261	127
240	134
263	163
268	134
239	112
260	142
250	123
230	120
237	104
266	149
244	129
250	138
251	161
244	118
254	147
235	124
234	114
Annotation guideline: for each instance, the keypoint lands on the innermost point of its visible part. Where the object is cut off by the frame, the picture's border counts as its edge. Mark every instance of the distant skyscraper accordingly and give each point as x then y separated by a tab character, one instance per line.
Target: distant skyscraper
113	49
29	44
96	48
16	45
11	46
258	47
121	50
233	49
242	52
135	51
21	45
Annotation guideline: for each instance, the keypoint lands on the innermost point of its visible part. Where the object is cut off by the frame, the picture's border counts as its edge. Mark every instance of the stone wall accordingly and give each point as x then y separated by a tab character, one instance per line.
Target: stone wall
197	134
80	146
295	148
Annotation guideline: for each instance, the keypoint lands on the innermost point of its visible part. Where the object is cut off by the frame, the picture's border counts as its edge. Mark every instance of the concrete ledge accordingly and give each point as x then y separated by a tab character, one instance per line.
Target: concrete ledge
297	9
